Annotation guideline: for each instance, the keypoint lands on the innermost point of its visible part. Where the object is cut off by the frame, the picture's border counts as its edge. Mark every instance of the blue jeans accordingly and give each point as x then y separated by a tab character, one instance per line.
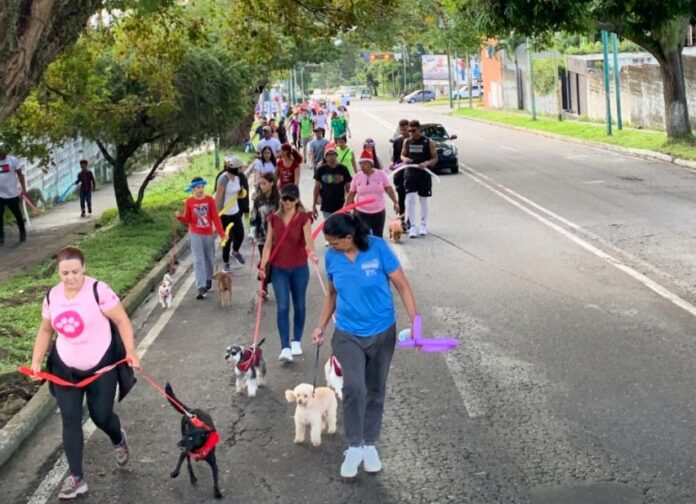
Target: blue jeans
290	282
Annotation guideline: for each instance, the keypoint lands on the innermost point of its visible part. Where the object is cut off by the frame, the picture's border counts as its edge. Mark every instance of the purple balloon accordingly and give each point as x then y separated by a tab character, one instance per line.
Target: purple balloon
427	344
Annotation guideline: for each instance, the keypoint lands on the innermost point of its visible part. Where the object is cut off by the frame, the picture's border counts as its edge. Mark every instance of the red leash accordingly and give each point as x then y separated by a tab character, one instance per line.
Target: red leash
345	209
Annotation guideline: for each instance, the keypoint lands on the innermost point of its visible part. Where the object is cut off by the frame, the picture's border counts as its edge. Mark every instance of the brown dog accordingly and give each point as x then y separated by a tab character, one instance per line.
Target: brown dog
224	288
395	230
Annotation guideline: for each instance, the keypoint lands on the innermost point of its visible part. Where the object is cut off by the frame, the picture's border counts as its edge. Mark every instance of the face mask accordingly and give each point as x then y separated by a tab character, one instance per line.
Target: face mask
233	171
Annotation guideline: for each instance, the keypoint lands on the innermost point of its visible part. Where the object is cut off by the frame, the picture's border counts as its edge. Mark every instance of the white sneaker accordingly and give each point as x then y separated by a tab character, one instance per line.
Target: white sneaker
354	457
413	232
423	230
371	461
285	355
296	348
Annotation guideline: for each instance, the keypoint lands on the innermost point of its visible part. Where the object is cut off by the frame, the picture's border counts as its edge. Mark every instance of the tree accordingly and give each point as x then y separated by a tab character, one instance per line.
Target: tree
34	32
659	27
510	44
141	81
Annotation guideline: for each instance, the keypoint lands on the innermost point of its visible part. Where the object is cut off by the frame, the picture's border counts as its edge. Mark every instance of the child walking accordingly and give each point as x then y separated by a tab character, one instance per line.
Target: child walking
200	213
85	179
266	202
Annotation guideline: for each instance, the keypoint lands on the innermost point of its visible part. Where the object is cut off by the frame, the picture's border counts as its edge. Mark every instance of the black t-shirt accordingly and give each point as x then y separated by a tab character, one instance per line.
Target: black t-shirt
419	150
396	153
333	186
259	131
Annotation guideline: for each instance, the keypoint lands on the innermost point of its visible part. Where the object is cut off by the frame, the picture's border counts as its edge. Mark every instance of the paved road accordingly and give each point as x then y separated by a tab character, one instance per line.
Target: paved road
566	273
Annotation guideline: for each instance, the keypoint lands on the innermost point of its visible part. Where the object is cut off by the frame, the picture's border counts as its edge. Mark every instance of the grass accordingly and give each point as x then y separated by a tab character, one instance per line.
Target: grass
596	132
117	254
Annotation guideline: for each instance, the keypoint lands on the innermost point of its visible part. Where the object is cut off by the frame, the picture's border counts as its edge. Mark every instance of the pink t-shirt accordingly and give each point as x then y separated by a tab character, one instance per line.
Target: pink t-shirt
370	187
84	333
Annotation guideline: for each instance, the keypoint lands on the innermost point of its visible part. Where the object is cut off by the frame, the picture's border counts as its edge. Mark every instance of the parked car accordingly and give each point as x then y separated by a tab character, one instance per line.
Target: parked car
446	150
365	94
422	95
463	92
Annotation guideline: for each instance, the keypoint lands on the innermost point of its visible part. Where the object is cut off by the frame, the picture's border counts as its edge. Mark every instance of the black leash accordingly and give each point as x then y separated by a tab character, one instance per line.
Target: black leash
316	368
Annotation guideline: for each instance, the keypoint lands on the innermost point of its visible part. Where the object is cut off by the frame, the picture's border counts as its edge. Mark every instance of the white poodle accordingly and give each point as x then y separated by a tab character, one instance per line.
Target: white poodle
316	410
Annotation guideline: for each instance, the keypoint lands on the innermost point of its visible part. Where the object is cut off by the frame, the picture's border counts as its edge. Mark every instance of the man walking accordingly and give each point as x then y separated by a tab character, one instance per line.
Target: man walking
397	146
418	150
306	125
268	140
85	179
317	148
10	192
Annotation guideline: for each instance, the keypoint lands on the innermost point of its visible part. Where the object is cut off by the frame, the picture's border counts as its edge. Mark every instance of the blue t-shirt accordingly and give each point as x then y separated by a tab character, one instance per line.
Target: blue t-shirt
364	305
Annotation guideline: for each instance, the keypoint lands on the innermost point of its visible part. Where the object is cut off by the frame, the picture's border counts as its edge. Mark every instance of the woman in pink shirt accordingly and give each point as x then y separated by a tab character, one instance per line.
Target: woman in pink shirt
93	331
371	184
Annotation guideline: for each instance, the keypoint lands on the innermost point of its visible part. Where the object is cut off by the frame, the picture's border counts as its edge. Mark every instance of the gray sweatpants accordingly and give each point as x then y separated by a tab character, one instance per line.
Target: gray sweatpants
203	251
365	363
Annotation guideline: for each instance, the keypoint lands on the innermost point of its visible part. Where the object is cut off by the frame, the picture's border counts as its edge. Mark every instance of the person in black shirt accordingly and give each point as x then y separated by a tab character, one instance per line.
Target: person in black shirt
331	182
85	179
418	150
399	177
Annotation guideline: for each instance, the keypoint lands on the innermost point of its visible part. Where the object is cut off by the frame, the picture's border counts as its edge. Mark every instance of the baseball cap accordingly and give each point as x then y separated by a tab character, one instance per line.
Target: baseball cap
233	162
330	147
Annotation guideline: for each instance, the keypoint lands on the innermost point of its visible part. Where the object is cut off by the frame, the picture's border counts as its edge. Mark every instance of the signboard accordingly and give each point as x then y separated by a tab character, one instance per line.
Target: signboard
434	67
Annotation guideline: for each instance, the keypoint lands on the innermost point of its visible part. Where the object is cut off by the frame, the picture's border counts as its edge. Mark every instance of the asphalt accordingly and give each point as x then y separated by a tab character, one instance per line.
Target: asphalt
567	274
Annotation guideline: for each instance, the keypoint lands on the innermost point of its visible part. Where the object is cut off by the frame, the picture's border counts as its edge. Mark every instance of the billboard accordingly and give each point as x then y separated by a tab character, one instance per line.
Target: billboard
435	69
434	66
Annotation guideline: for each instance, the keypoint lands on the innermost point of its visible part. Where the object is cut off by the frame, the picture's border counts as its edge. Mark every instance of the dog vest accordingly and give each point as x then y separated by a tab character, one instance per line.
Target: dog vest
336	366
251	357
210	443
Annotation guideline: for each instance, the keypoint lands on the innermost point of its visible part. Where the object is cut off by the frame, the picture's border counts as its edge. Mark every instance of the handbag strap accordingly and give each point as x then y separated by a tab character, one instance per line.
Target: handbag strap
276	247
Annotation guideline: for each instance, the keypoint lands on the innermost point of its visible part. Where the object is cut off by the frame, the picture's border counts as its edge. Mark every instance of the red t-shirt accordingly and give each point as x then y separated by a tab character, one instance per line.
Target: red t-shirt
286	174
293	249
202	217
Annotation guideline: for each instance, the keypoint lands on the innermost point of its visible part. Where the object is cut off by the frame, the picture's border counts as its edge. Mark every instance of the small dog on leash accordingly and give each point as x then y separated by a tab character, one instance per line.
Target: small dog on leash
223	282
396	230
334	376
165	291
315	409
249	367
198	440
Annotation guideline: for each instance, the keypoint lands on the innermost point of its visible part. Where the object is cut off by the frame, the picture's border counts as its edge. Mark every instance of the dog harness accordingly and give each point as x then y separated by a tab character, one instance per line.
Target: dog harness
336	366
210	443
251	357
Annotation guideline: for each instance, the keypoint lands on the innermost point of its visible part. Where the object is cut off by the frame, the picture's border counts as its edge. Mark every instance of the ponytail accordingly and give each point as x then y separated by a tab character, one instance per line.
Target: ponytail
344	225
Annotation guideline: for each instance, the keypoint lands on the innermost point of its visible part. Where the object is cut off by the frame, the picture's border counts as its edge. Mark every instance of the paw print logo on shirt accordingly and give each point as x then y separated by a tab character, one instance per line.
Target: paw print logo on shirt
69	324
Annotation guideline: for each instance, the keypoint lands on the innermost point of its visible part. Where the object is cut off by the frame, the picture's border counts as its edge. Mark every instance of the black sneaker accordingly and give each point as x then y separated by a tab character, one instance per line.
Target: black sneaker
239	257
201	294
82	214
208	285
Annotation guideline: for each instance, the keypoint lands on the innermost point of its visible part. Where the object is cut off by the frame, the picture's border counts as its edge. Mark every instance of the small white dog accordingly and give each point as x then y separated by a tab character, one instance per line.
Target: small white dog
165	291
334	376
249	367
316	410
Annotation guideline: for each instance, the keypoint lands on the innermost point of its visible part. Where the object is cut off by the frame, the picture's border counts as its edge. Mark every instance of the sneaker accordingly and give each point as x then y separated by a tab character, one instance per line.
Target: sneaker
201	294
296	348
89	211
371	462
23	237
208	285
413	232
72	487
239	257
226	268
285	355
354	457
423	231
82	214
122	450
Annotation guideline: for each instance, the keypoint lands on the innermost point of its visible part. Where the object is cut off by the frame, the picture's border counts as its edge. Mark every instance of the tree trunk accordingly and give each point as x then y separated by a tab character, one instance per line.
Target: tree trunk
240	133
674	90
127	208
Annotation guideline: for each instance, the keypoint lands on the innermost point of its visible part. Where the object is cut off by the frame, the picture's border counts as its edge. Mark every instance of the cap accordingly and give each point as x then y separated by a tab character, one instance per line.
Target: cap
367	157
330	147
233	162
290	190
267	128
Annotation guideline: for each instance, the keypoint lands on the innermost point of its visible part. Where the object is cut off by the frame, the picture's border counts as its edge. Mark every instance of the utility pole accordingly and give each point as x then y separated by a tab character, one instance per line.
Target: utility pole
470	80
449	76
607	83
403	60
617	80
530	63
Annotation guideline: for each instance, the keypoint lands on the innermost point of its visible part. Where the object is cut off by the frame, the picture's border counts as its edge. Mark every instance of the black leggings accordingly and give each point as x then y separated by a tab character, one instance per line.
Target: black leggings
13	205
236	234
100	403
375	222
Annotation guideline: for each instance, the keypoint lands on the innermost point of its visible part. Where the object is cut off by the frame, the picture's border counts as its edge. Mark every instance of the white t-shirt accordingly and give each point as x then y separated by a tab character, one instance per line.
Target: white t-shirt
320	121
232	188
262	167
9	182
272	142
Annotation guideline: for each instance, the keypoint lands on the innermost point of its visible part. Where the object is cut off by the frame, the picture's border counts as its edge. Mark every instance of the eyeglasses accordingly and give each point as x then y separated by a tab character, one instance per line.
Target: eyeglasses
288	198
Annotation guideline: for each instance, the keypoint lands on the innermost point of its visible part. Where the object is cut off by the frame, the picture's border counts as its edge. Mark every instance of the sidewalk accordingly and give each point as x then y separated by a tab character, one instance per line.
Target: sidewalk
63	225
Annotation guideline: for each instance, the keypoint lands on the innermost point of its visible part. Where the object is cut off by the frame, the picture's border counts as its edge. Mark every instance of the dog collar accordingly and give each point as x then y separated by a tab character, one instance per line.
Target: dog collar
210	443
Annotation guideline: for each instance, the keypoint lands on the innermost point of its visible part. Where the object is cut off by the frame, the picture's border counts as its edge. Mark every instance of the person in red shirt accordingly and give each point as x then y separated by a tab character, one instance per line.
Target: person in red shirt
200	213
289	245
288	166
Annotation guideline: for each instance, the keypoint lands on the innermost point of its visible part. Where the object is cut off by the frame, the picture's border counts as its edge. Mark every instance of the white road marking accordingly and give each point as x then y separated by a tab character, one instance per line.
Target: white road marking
650	284
473	405
508	148
388	125
596	182
401	254
60	468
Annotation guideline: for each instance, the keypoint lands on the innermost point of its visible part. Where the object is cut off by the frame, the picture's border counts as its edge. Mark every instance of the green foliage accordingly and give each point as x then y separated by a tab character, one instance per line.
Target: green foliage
545	76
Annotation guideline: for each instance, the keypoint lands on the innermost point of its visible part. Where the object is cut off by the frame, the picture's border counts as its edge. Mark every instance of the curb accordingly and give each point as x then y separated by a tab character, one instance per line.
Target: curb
639	153
26	420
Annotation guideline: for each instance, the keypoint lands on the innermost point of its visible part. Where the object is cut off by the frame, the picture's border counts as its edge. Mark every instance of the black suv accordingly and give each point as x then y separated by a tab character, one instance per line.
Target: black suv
446	150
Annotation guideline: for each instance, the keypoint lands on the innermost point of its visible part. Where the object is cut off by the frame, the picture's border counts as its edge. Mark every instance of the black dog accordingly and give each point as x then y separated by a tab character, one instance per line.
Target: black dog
198	440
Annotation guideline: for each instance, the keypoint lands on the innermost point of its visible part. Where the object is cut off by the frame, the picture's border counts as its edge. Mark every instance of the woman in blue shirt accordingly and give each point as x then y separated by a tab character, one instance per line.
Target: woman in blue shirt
359	268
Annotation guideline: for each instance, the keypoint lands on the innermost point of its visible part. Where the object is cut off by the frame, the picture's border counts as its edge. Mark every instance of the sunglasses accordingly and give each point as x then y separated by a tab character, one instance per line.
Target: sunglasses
411	130
289	198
